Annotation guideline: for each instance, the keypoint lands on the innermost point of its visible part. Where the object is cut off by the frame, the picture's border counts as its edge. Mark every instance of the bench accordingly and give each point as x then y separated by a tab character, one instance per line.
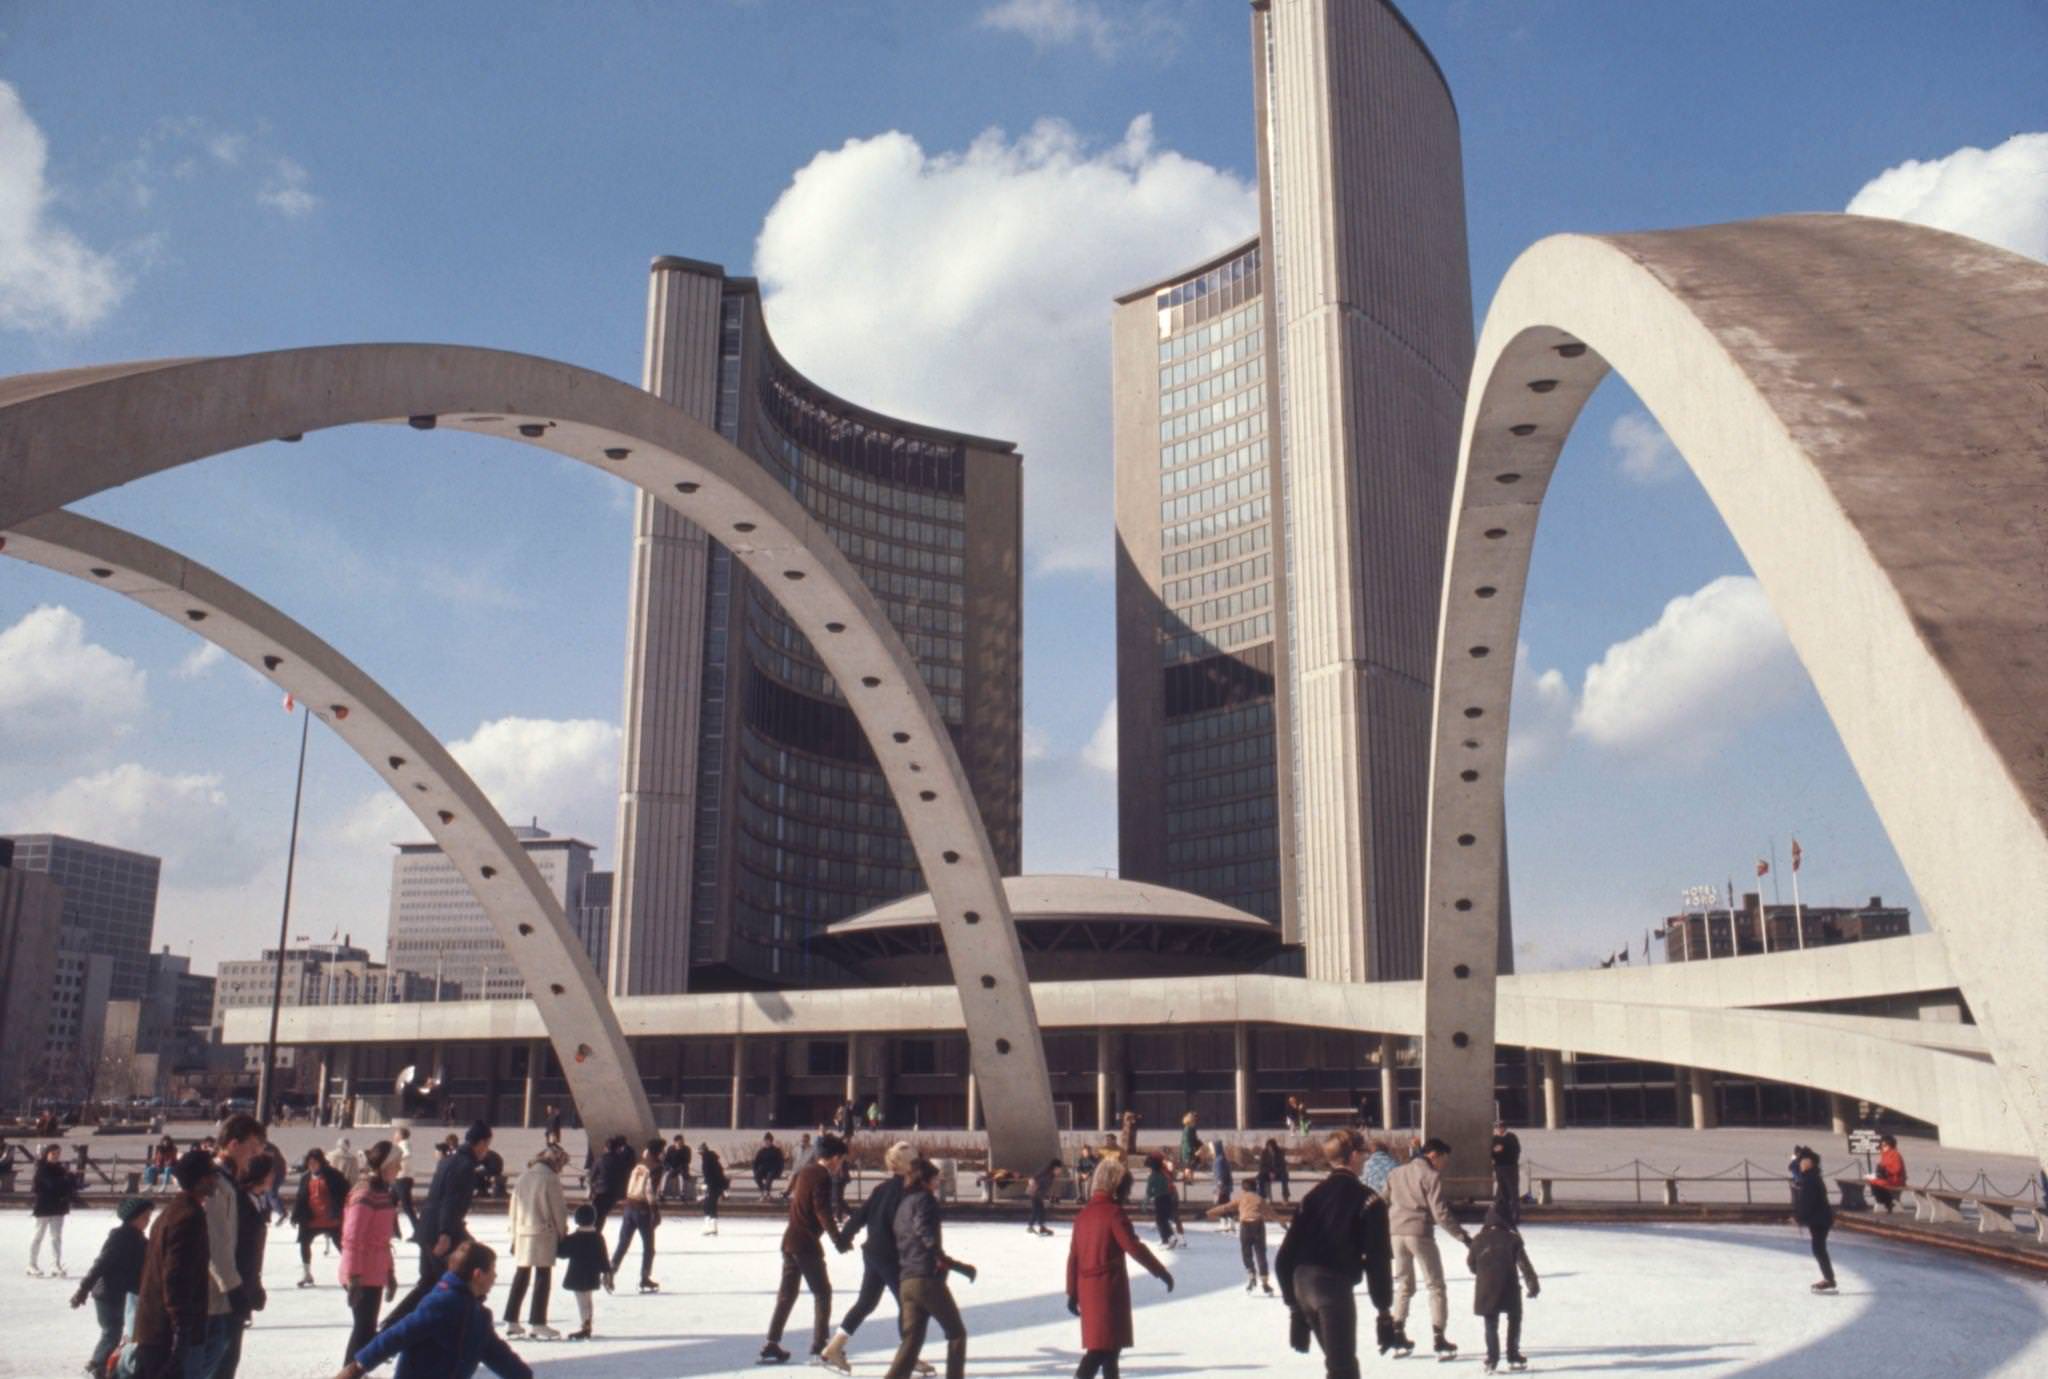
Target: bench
1546	1197
1853	1198
1994	1214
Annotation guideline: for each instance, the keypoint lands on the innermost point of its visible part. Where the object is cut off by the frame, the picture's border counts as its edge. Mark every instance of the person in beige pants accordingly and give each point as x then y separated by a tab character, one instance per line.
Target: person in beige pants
1415	1208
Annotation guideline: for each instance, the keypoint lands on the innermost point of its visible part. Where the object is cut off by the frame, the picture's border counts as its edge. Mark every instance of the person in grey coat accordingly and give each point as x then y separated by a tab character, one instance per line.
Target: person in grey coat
1495	1256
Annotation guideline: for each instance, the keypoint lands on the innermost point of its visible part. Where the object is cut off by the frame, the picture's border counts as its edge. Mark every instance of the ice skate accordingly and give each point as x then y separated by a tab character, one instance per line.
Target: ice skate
581	1333
1443	1348
1517	1363
772	1354
1824	1286
34	1272
1251	1281
1267	1284
1402	1346
923	1369
1489	1367
648	1285
541	1331
711	1228
513	1330
833	1356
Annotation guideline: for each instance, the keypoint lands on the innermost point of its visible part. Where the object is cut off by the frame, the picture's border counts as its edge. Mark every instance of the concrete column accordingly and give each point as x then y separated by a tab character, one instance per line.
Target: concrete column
1532	1073
1705	1114
1105	1047
739	1078
536	1056
776	1052
1390	1082
852	1066
1242	1051
973	1103
1838	1114
1553	1090
322	1102
885	1068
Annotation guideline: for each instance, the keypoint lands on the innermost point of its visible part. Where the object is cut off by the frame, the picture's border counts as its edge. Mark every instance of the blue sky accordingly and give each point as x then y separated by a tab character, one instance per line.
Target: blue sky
940	199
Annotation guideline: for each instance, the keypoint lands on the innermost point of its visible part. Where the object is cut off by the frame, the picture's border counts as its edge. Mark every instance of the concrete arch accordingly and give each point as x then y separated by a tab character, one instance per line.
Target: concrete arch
1861	400
68	435
571	1000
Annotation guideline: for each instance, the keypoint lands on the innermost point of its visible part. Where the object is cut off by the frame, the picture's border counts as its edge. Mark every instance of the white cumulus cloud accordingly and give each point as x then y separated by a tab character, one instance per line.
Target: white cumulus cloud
565	772
1540	714
199	660
1053	23
1641	449
286	190
1100	753
972	290
1715	660
183	818
60	694
1998	195
49	279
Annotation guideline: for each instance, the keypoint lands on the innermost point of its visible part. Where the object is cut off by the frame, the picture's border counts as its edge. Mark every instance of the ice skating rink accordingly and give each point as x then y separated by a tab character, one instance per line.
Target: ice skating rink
1617	1300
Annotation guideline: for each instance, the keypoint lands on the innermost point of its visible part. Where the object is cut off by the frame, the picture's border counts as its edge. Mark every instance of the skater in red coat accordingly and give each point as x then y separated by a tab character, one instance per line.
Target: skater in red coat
1098	1289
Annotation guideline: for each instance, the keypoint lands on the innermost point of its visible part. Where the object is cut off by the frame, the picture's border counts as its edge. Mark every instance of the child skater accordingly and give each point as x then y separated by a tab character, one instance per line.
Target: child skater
1494	1257
586	1267
1165	1200
1251	1212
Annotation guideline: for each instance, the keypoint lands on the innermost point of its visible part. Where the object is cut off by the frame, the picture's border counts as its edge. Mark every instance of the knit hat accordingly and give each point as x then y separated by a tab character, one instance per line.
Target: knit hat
477	1133
132	1207
193	1167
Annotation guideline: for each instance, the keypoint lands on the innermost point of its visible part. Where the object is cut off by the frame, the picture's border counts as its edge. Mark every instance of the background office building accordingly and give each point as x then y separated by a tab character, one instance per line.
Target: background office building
752	813
31	913
103	943
440	932
1286	431
318	974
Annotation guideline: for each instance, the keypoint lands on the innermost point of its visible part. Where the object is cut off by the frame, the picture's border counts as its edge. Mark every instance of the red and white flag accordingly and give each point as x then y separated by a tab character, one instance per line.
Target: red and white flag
1762	867
1795	854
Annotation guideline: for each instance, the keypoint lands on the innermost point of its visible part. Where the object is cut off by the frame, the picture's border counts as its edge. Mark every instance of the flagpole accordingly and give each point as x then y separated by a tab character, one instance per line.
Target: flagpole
1798	915
267	1082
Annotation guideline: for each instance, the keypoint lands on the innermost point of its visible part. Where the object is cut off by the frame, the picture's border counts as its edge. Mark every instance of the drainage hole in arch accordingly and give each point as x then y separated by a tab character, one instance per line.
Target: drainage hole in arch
950	856
557	988
1542	385
1485	591
1572	350
526	931
1479	651
1460	1039
1475	712
1508	478
102	572
900	737
617	452
871	681
272	662
532	429
927	795
835	627
1461	971
1461	906
1468	776
446	817
972	916
743	526
1002	1046
988	983
1496	533
1466	840
687	487
1526	428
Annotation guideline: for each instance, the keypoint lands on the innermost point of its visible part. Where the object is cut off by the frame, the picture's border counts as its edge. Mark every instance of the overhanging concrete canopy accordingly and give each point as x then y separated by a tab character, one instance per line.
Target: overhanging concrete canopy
1862	400
569	998
65	436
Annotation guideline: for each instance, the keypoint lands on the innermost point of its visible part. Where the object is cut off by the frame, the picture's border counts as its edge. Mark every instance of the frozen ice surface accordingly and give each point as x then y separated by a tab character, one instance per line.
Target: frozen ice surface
1617	1300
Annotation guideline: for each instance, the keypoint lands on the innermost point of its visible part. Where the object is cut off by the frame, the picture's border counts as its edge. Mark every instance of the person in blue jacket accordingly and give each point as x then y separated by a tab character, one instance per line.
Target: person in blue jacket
450	1335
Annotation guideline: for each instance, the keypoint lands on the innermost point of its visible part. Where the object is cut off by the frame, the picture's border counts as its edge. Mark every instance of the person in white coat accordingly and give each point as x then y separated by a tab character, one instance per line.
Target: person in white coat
538	1217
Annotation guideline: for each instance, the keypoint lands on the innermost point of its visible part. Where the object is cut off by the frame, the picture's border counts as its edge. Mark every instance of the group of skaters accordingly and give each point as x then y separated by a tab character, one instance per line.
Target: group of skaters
176	1285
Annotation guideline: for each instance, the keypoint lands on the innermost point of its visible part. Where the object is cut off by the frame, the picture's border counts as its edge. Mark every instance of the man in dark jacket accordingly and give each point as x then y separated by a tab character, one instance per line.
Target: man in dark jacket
609	1176
444	1219
115	1275
1811	1209
768	1164
877	1216
170	1307
921	1255
811	1220
1338	1237
1507	1172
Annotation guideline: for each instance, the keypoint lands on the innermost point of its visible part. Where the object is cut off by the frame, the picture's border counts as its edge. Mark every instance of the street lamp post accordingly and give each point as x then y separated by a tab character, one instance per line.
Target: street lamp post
266	1083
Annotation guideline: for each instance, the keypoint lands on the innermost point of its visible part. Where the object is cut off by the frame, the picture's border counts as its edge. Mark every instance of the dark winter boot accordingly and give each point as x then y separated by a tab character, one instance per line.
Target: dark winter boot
1444	1349
772	1354
1403	1347
1517	1362
1383	1327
